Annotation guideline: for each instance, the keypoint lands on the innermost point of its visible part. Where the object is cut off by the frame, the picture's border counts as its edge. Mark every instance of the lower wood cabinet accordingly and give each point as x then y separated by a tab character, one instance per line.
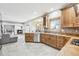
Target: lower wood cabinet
29	37
66	39
54	41
51	40
48	39
60	42
44	38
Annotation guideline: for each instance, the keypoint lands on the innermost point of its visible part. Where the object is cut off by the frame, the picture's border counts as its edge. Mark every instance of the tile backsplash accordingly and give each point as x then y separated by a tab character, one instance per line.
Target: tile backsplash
71	30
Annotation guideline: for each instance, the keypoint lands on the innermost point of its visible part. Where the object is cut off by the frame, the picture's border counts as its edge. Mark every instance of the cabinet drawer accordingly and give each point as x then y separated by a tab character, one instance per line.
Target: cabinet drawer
53	44
29	39
53	41
53	36
60	41
60	45
60	37
43	40
27	36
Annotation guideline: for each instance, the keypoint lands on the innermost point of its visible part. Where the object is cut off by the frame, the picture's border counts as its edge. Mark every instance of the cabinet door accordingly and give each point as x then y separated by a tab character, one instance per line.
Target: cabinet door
60	42
68	17
53	41
48	39
29	37
76	24
44	38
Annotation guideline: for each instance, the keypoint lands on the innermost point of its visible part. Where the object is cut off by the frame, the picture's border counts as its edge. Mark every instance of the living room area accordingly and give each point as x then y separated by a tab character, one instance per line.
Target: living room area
9	32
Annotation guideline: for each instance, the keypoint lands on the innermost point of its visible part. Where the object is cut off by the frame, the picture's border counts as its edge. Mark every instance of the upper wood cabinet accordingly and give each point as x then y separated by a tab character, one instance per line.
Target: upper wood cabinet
46	22
76	22
68	17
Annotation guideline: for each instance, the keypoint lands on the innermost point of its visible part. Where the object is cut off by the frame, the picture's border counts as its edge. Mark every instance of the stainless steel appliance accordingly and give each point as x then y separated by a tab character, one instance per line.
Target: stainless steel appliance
37	37
75	42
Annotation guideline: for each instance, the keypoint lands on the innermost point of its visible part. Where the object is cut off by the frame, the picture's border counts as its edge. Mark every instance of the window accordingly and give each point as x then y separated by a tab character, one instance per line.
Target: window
55	24
55	20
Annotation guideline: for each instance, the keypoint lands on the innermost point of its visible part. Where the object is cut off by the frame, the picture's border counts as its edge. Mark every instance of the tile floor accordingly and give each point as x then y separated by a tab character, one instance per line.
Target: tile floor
21	48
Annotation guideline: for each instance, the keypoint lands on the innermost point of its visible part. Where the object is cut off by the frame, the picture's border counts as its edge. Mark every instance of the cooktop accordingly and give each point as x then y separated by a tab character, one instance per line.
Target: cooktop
75	42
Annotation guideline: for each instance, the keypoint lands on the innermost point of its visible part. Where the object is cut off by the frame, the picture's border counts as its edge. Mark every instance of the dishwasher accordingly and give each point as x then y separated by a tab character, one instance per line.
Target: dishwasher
37	37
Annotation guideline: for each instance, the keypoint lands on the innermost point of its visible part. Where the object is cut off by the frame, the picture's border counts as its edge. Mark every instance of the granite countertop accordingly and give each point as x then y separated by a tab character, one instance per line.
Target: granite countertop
59	34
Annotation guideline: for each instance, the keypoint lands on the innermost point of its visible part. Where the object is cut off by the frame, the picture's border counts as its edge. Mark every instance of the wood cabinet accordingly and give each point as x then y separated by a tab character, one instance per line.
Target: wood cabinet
51	40
44	38
76	24
54	40
46	22
68	17
66	39
61	41
29	37
48	39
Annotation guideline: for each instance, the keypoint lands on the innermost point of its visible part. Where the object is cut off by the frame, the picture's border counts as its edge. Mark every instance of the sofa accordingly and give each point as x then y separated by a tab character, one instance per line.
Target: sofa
0	45
7	39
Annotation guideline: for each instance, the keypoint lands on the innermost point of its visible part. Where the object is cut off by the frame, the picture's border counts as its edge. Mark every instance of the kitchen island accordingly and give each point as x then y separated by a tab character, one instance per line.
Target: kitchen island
69	49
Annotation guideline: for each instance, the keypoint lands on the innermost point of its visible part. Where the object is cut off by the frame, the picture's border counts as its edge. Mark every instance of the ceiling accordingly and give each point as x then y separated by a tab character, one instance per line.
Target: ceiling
21	12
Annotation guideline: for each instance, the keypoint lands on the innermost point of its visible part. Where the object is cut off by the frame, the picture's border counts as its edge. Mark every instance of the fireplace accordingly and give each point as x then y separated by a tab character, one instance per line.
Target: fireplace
19	31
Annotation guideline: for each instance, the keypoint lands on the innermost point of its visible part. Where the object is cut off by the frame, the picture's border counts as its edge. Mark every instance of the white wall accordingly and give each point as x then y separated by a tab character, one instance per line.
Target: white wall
31	25
28	27
55	14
